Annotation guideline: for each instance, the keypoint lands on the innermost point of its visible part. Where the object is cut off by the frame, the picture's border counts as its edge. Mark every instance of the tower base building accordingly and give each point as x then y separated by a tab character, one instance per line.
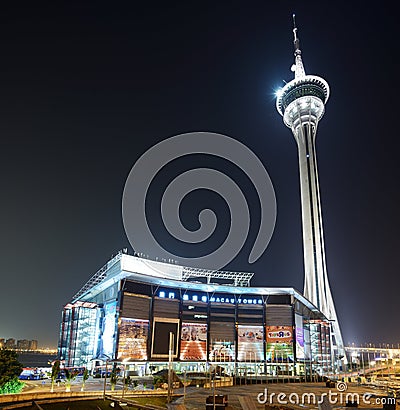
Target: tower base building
128	310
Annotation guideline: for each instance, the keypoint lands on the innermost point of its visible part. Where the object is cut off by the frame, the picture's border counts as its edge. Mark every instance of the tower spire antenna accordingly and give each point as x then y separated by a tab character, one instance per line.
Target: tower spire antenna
297	67
296	40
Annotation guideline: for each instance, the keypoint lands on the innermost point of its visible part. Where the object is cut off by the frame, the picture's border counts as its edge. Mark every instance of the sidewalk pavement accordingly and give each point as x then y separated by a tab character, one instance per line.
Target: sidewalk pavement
196	397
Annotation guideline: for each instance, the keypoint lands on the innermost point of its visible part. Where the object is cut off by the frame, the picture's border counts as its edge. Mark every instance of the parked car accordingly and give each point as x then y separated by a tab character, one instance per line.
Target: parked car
31	374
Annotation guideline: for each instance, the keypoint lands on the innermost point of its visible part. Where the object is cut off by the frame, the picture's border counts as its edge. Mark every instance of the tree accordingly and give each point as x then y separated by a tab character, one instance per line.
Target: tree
55	369
10	369
128	382
85	376
114	378
70	376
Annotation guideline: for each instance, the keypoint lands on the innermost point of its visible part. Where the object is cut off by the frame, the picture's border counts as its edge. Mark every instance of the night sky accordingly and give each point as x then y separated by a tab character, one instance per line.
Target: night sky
85	90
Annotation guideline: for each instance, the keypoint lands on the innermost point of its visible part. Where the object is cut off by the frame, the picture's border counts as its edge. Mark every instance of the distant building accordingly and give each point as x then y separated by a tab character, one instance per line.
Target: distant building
10	344
23	344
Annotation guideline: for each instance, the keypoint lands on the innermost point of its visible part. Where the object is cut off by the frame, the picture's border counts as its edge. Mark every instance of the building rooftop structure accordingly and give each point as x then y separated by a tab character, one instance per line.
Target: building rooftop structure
123	266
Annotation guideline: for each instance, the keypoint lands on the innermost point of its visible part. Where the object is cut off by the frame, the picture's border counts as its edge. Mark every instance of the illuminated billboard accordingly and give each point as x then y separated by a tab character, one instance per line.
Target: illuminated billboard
300	354
222	351
193	341
108	322
250	343
279	343
132	342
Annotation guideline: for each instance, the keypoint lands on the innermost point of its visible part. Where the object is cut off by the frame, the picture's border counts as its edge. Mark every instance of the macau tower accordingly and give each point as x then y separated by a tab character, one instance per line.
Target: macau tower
301	102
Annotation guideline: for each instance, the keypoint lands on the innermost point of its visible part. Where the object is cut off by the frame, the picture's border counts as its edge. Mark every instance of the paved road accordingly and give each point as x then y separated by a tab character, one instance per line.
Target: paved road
291	393
33	386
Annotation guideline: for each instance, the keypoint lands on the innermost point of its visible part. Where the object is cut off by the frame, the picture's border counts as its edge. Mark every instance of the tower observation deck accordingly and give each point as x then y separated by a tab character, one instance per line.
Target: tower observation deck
301	102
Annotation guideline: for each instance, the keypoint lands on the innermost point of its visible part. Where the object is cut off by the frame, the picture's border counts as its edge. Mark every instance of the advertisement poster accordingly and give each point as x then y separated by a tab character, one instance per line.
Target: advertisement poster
106	347
193	341
279	343
250	343
299	337
307	343
133	336
222	351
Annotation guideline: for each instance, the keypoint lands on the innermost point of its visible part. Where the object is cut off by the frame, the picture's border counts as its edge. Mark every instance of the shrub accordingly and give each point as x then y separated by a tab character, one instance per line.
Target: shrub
12	386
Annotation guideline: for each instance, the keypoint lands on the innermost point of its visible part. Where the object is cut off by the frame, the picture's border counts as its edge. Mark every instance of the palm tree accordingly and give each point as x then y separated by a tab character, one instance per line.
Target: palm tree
69	377
85	376
113	378
55	369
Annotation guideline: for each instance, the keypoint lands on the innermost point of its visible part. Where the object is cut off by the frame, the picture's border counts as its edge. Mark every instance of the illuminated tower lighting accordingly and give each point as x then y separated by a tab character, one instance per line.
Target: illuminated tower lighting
301	102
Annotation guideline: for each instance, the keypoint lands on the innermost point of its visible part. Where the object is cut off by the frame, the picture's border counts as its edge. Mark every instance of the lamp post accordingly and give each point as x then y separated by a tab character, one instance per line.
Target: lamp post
107	359
215	373
170	359
124	362
184	386
105	381
104	358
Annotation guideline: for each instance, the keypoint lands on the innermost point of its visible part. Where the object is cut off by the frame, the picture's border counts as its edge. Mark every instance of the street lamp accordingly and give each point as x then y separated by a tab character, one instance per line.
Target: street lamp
105	378
126	360
104	358
107	359
170	360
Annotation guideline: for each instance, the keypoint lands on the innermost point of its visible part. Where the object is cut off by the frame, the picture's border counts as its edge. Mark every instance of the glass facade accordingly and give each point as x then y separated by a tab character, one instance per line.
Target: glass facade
78	334
302	90
320	345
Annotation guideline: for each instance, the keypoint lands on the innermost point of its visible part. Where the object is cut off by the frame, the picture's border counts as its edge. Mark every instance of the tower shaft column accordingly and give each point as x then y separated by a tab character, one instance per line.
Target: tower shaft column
313	239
